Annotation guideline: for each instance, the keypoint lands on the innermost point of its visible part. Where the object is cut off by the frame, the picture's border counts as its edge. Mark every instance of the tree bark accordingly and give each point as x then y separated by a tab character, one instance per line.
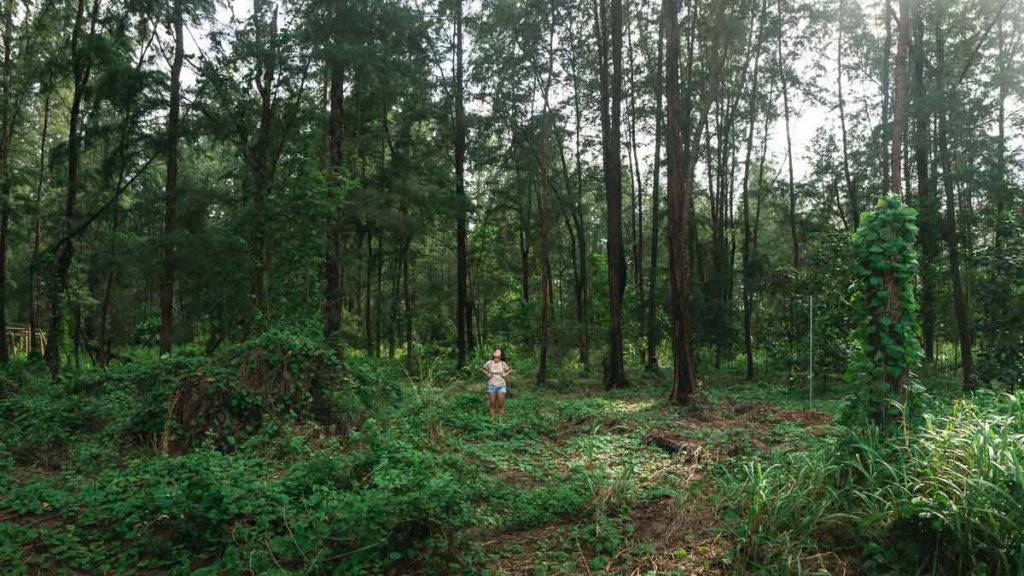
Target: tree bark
611	101
952	242
900	103
652	271
851	189
33	311
333	296
171	184
462	265
748	277
886	162
583	286
783	78
677	194
927	216
80	69
6	138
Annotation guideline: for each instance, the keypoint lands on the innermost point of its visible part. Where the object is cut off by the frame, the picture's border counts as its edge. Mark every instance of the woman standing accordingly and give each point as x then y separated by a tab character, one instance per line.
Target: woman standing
496	370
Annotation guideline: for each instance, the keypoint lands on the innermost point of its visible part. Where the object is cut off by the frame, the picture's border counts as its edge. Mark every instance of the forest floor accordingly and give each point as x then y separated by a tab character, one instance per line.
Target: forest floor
648	465
574	480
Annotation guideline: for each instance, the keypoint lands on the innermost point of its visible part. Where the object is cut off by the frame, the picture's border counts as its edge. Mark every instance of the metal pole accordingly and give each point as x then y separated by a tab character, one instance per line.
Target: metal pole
810	360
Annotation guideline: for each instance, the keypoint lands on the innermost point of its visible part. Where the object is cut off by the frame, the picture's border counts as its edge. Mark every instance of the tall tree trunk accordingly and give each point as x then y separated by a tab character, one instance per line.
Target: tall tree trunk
545	263
677	195
582	287
952	243
784	79
524	246
368	296
103	339
333	295
886	162
462	266
33	309
171	185
378	302
637	212
748	277
900	104
6	139
80	69
407	308
927	216
851	189
611	115
263	164
652	271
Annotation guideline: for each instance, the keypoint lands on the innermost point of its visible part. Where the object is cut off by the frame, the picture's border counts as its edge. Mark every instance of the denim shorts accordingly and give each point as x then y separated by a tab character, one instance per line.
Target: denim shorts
495	389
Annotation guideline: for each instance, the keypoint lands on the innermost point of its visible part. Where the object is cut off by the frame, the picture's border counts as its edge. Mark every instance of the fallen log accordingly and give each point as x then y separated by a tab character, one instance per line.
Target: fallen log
674	444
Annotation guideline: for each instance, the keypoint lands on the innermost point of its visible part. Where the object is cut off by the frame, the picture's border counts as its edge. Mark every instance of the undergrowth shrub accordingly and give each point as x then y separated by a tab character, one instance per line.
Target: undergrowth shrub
948	500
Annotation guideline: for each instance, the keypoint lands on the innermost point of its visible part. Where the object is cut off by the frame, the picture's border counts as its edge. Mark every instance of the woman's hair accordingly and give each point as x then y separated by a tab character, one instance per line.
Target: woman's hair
504	357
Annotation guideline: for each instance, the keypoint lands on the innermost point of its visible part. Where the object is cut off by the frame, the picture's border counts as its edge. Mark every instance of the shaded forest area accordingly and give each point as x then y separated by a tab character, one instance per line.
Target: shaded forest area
759	267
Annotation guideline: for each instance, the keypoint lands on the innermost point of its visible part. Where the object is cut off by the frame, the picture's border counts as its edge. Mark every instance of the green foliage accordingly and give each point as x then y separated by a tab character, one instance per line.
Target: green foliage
1000	295
948	501
885	313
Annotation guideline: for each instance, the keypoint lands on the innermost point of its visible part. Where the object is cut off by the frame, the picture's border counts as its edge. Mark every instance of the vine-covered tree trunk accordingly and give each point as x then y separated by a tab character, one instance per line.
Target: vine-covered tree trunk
885	312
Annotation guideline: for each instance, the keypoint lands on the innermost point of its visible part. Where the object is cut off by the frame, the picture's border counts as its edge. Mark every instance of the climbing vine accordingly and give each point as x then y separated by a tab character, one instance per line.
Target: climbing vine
885	312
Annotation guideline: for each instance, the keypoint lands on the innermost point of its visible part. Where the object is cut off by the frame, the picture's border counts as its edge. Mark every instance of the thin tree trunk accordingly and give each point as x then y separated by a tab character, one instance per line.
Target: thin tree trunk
407	314
80	69
171	188
333	294
952	243
6	139
748	277
263	164
784	79
462	266
900	103
33	311
545	264
652	271
927	217
851	189
582	288
638	195
886	162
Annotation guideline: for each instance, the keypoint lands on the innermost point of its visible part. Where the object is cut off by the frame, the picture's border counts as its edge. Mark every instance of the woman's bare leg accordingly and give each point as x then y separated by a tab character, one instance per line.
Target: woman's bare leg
501	406
492	400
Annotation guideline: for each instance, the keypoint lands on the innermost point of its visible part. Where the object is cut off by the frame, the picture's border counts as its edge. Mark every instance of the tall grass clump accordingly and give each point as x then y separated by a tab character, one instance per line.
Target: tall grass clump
947	498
